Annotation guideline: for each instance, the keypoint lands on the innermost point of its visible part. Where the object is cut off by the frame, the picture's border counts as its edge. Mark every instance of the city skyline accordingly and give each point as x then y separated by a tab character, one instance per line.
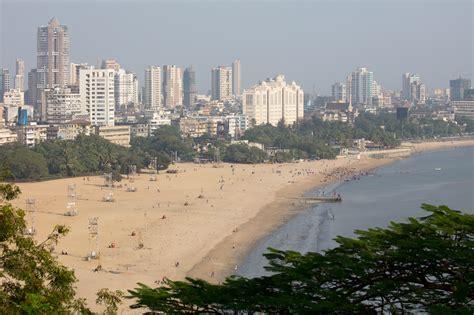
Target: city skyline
315	70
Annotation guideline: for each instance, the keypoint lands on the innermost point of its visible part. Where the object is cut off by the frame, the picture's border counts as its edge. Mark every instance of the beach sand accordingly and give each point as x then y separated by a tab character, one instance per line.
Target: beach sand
182	233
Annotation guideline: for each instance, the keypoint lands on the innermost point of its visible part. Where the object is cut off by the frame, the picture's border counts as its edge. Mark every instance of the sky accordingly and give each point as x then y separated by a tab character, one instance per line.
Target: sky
314	43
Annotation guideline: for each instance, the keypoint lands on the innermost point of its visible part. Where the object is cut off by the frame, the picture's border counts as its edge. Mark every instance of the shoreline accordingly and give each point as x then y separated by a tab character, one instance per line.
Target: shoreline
226	257
198	222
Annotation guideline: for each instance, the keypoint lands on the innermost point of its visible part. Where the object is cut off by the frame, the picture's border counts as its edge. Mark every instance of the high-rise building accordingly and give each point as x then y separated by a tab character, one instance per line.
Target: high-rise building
32	93
74	72
189	87
53	55
13	97
62	105
236	80
413	89
172	86
20	75
359	87
458	87
5	82
152	93
96	88
339	92
126	88
110	64
221	81
272	101
408	81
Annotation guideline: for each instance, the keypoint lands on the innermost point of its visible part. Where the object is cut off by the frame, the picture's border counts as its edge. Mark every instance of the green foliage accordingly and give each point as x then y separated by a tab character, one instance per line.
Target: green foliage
110	299
164	143
86	155
31	280
242	153
423	265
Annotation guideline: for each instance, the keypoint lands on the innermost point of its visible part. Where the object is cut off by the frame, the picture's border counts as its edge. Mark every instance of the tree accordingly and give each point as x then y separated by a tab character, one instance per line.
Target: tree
423	265
31	280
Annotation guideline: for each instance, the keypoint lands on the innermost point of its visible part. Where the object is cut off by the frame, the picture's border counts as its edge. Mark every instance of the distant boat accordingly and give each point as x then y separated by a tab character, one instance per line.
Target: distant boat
438	169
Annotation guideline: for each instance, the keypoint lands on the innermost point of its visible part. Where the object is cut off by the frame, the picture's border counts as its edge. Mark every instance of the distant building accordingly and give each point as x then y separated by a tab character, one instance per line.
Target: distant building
20	75
125	88
458	87
62	105
221	83
53	55
5	82
13	97
152	93
236	79
97	95
32	93
463	108
189	87
110	64
272	101
31	135
75	68
7	136
359	87
172	86
69	130
338	90
119	135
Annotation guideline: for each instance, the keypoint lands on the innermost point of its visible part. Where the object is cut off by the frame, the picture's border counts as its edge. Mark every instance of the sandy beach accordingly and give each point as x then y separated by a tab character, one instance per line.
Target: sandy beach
199	222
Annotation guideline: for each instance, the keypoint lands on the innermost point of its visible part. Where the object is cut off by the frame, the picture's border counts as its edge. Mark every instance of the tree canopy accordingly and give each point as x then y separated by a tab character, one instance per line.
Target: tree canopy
423	265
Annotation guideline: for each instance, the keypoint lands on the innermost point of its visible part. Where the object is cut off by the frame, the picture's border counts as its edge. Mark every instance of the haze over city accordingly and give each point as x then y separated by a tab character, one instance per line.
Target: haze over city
315	43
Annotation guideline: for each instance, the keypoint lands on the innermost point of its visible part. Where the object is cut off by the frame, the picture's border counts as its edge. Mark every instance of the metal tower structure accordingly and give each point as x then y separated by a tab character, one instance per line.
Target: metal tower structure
93	228
71	207
31	210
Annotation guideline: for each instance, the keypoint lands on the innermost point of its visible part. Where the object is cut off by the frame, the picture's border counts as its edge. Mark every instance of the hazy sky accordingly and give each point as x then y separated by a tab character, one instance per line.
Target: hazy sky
314	43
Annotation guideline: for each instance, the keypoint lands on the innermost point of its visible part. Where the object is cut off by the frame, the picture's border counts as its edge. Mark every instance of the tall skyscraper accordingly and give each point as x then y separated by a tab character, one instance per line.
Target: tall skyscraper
20	75
338	90
53	55
189	86
221	83
359	87
96	88
458	87
408	79
5	82
172	86
236	80
272	101
152	95
31	97
126	88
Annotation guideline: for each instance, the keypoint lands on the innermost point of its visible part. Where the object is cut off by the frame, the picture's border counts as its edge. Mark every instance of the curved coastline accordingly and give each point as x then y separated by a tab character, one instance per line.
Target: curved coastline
223	260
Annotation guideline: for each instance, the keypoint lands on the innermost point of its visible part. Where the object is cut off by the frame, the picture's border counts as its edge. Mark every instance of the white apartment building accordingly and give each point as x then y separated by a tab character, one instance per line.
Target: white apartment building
221	83
274	100
172	86
359	87
13	97
62	105
152	95
97	95
126	88
20	75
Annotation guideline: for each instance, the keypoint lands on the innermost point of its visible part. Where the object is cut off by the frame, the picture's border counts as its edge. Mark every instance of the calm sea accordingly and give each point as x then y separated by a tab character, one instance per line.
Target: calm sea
393	193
